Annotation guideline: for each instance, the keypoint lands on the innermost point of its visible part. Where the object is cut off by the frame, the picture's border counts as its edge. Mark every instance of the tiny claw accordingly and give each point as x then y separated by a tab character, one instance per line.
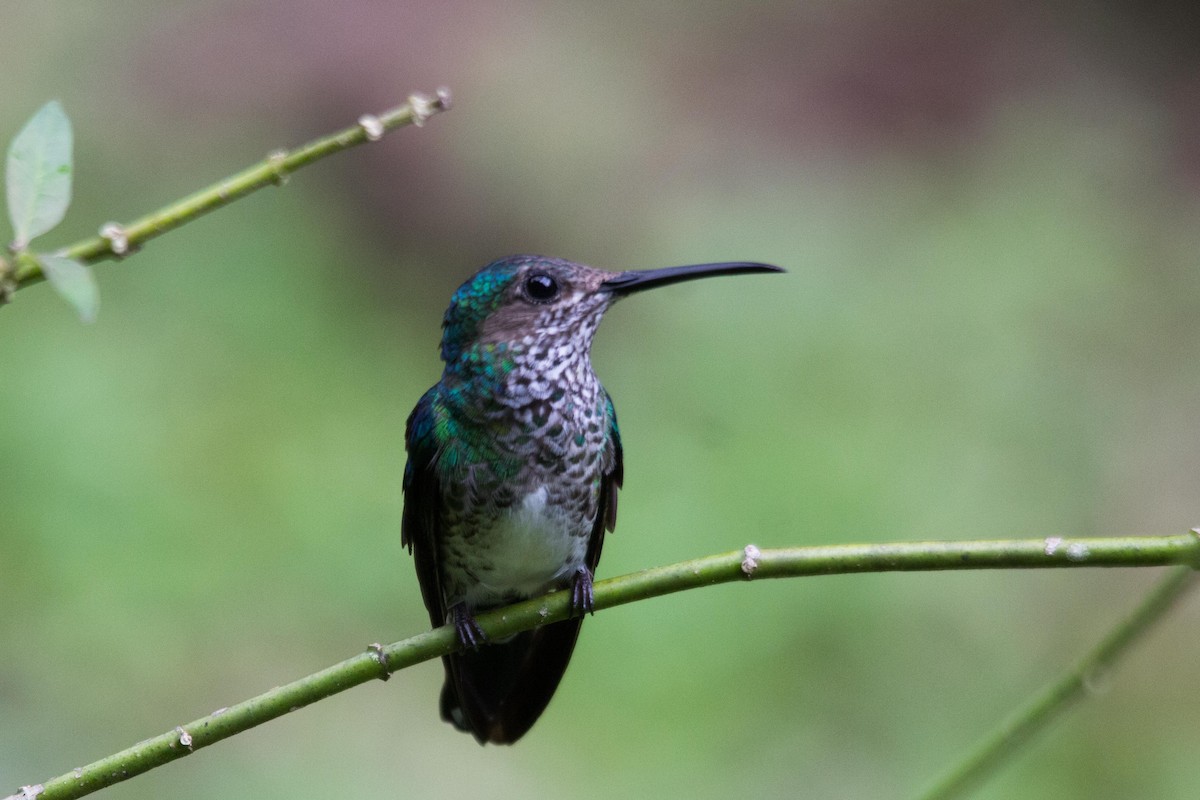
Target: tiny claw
583	601
468	630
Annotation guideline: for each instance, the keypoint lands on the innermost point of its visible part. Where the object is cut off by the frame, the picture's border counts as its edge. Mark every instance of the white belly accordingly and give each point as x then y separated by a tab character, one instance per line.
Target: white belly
530	550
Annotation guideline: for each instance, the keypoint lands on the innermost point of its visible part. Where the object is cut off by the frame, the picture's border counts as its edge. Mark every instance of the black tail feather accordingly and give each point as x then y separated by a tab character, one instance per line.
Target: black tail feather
497	692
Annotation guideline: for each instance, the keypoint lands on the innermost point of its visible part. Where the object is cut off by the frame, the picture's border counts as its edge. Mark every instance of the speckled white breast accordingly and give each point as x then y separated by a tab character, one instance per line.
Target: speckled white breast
531	549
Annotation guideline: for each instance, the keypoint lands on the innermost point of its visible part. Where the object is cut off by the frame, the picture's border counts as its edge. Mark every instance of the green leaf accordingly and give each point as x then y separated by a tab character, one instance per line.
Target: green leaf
39	173
74	282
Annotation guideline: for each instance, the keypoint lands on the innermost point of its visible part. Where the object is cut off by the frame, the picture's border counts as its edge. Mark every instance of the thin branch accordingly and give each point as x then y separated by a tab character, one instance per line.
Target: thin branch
116	241
1026	722
748	563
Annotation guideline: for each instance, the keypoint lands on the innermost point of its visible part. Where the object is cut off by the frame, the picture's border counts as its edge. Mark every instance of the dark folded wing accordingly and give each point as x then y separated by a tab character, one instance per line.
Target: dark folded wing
610	482
420	525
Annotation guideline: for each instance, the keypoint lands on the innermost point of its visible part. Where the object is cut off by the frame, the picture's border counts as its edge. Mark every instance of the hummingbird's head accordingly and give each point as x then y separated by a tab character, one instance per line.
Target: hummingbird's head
524	300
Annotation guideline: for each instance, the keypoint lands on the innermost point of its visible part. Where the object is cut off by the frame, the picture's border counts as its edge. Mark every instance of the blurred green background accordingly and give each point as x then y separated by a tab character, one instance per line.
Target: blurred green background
989	213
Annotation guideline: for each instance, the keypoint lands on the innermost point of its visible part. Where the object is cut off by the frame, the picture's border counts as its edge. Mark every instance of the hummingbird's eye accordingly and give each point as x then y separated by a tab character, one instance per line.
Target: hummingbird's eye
541	288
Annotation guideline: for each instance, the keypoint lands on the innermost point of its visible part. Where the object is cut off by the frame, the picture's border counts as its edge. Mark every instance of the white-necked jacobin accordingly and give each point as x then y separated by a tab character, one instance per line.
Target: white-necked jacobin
514	461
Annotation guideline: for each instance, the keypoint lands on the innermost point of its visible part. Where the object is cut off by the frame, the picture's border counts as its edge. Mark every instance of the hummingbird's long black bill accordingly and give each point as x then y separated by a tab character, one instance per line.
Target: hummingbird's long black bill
637	280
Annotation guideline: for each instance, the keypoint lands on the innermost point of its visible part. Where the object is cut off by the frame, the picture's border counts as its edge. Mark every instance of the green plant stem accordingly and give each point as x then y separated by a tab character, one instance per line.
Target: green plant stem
740	565
273	170
1026	722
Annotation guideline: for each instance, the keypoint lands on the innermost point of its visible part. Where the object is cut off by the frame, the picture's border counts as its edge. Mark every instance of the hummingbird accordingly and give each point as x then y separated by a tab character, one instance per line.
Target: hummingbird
514	462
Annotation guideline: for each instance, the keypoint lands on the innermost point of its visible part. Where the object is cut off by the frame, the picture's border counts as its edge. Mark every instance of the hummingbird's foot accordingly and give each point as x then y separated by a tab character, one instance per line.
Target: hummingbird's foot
468	630
582	600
